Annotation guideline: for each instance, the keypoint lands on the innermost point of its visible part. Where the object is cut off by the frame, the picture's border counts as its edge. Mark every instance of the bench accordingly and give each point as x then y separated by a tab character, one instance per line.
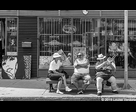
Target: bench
51	82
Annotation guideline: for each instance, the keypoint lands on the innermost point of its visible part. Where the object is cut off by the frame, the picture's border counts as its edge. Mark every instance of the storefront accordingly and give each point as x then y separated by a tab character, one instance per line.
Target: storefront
41	33
18	33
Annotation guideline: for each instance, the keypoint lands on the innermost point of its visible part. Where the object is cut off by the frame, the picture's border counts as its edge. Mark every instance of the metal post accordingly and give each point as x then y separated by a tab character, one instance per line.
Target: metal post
59	12
17	12
126	49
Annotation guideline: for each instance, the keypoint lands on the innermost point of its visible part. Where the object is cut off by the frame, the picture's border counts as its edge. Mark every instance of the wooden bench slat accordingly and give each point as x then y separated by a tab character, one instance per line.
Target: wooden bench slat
48	81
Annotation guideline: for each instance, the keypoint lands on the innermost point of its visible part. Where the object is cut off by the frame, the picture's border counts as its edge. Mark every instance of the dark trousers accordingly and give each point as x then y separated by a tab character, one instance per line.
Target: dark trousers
57	77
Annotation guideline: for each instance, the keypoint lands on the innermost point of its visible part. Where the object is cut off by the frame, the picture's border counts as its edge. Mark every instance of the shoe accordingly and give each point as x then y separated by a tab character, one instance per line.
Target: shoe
116	92
59	92
99	93
68	89
80	92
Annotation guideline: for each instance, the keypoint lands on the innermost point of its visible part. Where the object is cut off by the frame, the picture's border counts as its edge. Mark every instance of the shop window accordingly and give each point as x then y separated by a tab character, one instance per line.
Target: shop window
132	43
115	36
70	35
55	36
12	36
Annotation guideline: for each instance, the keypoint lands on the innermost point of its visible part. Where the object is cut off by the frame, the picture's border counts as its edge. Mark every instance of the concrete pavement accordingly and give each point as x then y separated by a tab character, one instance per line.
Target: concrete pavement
37	90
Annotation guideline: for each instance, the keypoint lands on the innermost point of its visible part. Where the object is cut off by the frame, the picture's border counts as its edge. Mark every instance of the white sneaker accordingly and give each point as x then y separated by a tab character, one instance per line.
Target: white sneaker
59	92
68	89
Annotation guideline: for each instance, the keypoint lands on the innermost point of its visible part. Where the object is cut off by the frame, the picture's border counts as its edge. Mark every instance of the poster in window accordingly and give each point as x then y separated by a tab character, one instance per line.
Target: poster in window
44	61
76	50
116	47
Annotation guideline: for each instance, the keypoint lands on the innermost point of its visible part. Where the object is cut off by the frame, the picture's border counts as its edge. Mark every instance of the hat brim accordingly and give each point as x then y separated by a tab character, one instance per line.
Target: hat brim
56	56
101	58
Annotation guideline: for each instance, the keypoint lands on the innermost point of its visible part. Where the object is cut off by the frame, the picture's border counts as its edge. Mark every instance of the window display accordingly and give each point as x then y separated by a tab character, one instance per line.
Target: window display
12	35
115	36
55	36
70	35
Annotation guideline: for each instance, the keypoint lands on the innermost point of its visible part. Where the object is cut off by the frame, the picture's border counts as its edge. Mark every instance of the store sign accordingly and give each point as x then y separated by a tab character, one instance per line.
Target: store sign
69	29
12	53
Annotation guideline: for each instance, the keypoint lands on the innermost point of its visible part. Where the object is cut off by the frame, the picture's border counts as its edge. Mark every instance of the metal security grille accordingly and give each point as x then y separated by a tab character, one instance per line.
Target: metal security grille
88	35
71	35
115	29
115	37
132	43
54	36
132	30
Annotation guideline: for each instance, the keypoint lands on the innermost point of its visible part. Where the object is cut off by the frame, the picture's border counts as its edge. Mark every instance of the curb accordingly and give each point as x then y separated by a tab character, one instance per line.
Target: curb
68	99
50	99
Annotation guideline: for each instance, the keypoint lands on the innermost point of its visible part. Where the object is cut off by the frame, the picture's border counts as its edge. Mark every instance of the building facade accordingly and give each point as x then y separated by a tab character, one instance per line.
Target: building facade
41	33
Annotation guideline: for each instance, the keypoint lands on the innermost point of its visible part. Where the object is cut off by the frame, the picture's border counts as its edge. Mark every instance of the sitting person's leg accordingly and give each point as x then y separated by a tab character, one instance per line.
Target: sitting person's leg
65	73
57	77
86	80
74	80
114	87
58	87
99	81
65	83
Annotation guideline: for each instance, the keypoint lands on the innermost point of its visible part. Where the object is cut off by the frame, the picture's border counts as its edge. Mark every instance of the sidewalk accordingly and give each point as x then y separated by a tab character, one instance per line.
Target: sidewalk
37	90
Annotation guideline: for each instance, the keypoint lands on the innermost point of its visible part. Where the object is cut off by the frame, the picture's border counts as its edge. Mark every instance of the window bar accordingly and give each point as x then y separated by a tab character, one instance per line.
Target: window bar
106	37
61	38
92	41
15	34
98	32
71	22
44	36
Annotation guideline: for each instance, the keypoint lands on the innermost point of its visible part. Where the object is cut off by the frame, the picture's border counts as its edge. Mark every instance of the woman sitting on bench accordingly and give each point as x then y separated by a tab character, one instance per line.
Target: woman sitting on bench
56	74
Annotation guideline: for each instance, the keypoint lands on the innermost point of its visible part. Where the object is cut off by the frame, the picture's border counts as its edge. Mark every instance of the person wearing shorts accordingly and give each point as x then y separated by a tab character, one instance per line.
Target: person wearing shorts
81	71
104	72
56	74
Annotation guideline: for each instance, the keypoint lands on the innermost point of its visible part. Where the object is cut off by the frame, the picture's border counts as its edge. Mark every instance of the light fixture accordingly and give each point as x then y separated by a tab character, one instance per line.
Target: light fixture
85	12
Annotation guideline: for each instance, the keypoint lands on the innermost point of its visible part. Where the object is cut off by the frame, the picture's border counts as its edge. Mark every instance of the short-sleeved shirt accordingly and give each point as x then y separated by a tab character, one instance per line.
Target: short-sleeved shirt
81	70
54	65
108	68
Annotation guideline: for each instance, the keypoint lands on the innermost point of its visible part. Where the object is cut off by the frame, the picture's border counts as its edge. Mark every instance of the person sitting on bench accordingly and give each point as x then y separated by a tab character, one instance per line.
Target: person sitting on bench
81	71
104	72
55	74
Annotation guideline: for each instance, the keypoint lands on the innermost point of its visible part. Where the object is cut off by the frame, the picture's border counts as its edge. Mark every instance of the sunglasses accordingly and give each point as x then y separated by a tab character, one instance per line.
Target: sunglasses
79	55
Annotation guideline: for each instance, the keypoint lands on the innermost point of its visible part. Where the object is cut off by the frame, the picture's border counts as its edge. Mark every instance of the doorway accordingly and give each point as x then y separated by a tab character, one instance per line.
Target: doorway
2	39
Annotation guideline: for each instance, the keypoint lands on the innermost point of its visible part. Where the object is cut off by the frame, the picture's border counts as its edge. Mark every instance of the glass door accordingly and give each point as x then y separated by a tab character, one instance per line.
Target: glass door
12	36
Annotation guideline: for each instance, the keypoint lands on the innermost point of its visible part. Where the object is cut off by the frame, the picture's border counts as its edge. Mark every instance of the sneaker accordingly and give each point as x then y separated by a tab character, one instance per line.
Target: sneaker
116	92
68	89
99	93
80	92
59	92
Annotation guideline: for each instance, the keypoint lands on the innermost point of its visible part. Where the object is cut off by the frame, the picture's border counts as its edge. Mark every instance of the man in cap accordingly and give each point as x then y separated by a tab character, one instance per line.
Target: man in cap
104	72
55	74
81	71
